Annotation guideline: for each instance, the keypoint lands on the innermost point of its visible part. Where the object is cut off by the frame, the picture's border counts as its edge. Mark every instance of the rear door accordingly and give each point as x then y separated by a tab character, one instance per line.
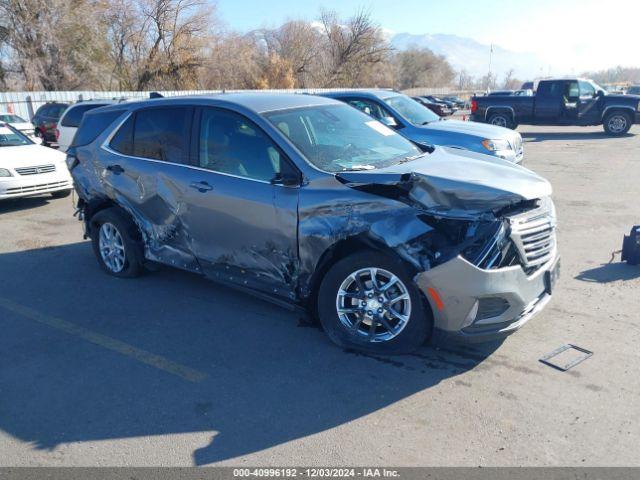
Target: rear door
548	103
147	172
242	224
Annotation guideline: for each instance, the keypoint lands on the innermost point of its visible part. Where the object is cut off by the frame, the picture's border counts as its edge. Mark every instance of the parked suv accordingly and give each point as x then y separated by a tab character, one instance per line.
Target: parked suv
420	125
45	121
310	203
71	118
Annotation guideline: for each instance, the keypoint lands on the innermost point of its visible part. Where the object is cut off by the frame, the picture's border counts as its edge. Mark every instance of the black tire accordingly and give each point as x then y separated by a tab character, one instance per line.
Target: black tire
133	251
502	119
613	122
61	194
417	329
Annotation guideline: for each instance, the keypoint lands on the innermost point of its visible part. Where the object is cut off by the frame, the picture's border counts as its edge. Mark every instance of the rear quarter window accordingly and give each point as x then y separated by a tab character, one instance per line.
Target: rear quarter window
92	125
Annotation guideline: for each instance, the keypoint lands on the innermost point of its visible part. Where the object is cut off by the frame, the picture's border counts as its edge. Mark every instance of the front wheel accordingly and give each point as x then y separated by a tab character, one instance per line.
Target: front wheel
368	302
617	123
502	120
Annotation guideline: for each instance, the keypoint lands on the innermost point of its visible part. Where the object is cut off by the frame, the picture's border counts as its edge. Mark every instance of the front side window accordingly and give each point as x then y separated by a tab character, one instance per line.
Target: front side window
586	89
232	144
162	134
411	110
336	138
370	108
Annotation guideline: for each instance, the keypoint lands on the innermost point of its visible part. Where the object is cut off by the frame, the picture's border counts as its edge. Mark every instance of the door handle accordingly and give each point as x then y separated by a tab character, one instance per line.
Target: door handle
201	186
117	169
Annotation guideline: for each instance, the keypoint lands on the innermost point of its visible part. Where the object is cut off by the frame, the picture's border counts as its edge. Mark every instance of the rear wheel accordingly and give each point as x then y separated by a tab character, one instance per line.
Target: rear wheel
368	302
502	119
617	123
116	244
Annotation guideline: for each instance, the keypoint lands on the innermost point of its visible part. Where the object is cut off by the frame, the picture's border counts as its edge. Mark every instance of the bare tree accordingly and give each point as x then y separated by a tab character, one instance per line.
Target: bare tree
420	67
509	82
351	48
55	44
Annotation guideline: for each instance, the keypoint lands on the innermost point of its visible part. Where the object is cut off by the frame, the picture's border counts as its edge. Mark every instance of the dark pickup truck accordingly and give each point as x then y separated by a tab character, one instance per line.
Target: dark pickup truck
573	101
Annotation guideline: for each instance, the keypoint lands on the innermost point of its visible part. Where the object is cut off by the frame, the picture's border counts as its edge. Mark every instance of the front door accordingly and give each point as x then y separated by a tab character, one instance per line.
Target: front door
588	104
241	221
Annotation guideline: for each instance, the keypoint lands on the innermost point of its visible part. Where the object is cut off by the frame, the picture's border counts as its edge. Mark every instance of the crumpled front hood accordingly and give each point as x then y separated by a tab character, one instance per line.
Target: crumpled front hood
453	181
480	130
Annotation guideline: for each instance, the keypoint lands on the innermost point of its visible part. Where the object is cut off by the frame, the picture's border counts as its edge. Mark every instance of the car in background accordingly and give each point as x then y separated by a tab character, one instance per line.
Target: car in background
45	121
19	123
633	90
422	126
561	101
312	204
439	109
71	118
28	169
450	105
457	101
523	93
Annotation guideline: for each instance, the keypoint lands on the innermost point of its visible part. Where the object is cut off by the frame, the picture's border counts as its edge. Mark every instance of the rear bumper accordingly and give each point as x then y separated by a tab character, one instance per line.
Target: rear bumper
463	291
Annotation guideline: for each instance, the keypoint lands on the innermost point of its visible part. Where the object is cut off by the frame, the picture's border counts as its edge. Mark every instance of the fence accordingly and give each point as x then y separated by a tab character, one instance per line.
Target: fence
25	104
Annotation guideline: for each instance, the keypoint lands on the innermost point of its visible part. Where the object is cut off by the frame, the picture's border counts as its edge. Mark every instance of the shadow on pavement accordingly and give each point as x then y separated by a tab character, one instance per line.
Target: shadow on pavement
543	136
267	379
609	272
17	204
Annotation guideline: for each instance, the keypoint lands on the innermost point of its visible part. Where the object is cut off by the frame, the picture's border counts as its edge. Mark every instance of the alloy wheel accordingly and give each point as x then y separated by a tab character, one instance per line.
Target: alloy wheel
373	304
111	247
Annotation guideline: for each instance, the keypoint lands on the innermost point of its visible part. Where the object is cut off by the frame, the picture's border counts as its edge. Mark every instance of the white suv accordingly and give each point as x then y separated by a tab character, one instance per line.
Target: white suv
71	119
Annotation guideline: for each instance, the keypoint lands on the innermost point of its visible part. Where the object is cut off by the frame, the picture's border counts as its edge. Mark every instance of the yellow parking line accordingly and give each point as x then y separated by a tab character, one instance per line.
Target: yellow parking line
109	343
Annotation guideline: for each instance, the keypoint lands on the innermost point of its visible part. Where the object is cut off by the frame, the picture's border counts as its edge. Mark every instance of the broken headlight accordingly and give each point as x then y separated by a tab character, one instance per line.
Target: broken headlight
488	245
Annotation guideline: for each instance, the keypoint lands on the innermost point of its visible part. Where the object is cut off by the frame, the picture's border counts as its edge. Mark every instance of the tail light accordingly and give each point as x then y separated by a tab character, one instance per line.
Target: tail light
56	132
474	106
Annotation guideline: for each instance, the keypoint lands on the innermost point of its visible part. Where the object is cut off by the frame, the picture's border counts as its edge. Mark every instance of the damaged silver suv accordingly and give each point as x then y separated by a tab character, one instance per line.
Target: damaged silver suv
312	204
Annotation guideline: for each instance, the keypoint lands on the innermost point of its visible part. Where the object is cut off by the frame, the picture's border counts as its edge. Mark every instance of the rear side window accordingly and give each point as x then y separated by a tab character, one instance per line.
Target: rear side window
551	89
92	125
122	141
73	117
162	134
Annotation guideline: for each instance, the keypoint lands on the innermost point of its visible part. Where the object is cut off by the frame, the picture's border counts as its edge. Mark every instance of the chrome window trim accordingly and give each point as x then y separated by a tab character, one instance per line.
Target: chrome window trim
105	146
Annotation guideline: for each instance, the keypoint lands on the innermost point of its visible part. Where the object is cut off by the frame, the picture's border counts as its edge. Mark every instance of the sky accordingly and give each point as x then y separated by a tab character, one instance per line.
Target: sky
570	36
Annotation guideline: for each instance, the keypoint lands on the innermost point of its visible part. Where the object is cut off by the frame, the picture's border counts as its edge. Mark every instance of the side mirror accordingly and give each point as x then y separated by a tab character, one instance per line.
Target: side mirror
389	122
286	179
599	94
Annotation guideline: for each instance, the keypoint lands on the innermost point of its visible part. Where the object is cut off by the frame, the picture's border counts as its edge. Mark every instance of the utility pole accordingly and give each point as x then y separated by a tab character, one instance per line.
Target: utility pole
489	75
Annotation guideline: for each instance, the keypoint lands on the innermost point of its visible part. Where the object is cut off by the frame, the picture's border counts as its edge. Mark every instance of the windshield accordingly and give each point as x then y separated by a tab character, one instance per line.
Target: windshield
10	118
411	110
336	138
12	138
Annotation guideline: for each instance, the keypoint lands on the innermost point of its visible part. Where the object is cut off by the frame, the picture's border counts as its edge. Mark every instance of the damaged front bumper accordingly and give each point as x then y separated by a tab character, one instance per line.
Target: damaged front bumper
472	304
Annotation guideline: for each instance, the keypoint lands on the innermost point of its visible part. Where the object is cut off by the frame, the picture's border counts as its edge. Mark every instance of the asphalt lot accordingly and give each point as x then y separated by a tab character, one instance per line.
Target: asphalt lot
170	369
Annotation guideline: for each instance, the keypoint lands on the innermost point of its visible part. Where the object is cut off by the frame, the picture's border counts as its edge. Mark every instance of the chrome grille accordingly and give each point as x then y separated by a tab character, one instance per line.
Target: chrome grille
534	235
36	170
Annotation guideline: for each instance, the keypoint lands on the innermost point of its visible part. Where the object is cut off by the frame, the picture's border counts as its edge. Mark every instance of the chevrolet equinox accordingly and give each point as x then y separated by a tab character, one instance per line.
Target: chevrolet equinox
308	202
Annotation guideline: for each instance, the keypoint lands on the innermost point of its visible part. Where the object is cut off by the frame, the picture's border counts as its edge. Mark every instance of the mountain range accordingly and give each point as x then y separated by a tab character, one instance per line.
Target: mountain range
473	56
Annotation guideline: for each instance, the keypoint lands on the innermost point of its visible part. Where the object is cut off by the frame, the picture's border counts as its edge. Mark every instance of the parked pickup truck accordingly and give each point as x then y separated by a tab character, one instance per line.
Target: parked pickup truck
573	101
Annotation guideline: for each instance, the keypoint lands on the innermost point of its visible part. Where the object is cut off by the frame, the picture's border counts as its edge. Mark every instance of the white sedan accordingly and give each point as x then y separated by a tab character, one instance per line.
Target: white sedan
18	123
28	169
